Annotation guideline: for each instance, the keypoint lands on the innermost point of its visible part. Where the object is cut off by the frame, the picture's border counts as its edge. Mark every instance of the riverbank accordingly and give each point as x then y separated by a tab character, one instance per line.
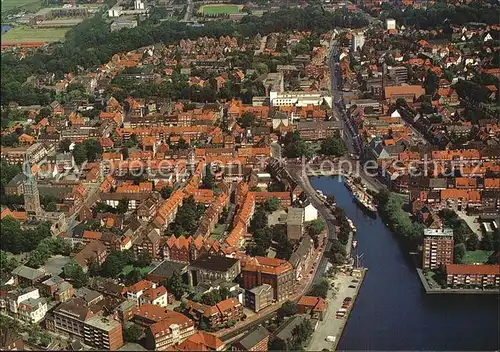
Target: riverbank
392	311
331	325
447	291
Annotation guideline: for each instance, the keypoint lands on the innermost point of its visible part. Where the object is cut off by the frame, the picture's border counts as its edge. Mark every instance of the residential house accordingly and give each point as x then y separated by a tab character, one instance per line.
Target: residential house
32	310
135	291
259	297
24	275
57	288
94	251
157	296
224	313
256	339
302	256
148	243
201	341
173	328
295	224
314	306
464	276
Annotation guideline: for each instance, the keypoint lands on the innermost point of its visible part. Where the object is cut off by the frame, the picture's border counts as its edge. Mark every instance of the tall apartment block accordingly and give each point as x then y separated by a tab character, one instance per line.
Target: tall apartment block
438	248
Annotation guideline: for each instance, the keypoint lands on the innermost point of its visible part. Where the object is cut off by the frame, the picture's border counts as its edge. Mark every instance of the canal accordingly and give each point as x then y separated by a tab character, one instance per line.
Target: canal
391	311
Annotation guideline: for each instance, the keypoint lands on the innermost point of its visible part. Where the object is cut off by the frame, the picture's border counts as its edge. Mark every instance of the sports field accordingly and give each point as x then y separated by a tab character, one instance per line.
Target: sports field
220	9
26	34
8	5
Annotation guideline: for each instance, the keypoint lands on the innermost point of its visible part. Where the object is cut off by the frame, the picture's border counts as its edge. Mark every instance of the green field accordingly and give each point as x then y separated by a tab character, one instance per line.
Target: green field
219	9
8	5
472	257
26	34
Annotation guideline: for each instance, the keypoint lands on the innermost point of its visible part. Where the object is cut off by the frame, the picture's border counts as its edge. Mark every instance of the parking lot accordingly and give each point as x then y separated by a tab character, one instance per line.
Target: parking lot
331	326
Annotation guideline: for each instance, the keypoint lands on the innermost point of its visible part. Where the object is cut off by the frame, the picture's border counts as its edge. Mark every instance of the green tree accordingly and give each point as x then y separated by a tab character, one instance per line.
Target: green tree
74	272
143	259
7	262
301	333
133	276
211	298
247	119
333	145
93	149
176	285
272	204
64	145
315	227
259	219
472	243
320	289
122	207
182	144
132	333
166	192
487	243
115	262
459	253
36	259
79	153
277	344
52	206
187	218
44	112
287	309
208	178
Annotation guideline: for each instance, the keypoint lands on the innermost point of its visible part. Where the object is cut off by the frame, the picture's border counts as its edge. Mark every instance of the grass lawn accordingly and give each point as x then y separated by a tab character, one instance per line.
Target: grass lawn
8	5
26	34
476	257
218	232
129	268
217	9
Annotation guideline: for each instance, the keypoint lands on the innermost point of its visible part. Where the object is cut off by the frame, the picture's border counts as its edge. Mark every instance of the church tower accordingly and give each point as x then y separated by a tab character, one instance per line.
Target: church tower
30	188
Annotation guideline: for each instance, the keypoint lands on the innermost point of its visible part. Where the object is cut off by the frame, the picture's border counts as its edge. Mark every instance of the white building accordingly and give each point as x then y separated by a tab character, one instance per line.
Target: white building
310	212
135	291
390	23
115	11
15	299
156	296
299	98
358	41
33	310
139	5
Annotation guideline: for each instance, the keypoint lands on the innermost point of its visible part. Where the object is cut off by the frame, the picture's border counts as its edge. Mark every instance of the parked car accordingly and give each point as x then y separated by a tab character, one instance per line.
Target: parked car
352	286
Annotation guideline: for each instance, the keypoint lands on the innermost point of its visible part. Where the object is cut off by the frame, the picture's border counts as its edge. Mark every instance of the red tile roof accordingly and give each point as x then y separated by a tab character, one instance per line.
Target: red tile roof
459	269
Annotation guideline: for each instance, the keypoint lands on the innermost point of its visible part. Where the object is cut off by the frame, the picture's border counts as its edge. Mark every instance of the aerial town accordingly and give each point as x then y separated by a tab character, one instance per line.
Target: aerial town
249	176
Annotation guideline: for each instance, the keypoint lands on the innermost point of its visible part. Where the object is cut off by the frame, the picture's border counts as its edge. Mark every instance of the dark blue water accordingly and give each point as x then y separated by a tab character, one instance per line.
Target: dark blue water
391	311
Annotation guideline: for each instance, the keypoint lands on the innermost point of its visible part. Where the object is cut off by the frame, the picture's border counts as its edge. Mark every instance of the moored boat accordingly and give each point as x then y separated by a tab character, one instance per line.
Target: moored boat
365	203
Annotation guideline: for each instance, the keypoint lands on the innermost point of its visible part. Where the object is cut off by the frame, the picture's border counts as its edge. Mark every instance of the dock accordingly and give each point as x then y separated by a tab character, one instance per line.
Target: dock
331	325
